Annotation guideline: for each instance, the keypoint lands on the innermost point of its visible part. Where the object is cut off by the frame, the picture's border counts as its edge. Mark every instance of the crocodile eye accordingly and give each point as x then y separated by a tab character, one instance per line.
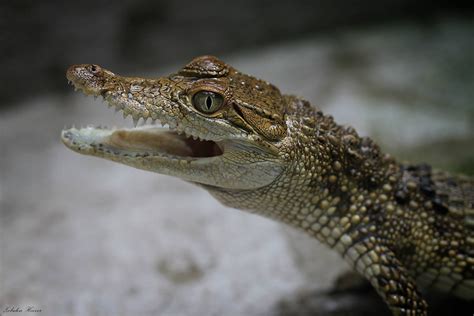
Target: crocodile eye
207	101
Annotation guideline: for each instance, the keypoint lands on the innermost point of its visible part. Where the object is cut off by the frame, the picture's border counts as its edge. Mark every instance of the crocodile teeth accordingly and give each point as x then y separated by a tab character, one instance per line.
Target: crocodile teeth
172	124
135	121
156	117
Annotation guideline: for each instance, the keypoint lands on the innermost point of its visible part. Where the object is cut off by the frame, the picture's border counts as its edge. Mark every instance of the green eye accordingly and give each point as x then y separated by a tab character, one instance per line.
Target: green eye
207	101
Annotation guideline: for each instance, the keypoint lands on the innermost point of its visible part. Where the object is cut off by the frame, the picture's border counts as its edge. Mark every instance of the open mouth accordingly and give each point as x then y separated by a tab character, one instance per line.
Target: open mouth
144	141
153	140
141	141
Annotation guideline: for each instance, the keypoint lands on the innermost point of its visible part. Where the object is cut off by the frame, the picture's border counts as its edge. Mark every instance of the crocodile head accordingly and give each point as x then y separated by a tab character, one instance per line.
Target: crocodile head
224	128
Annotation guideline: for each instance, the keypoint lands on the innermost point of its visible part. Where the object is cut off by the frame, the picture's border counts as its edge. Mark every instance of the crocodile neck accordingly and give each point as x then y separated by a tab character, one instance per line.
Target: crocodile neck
330	172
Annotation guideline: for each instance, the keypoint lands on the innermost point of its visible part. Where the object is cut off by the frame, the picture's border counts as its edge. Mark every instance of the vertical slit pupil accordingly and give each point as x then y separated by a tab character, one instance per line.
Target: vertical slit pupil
208	102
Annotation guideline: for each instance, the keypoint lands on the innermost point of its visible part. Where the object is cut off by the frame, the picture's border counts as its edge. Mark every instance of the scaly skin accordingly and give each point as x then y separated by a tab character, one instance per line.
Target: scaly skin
400	226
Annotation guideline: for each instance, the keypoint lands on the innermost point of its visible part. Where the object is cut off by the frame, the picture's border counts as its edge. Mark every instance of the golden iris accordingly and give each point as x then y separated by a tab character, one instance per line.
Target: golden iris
207	101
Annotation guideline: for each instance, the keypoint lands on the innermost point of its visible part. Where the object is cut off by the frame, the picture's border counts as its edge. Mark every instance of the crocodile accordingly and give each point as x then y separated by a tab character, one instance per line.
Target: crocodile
403	227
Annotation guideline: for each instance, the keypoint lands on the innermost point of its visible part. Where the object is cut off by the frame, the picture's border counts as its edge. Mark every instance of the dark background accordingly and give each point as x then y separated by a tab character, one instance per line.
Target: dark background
39	39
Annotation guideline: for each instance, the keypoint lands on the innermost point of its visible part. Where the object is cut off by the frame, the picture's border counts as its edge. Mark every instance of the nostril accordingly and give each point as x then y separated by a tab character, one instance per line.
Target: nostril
94	69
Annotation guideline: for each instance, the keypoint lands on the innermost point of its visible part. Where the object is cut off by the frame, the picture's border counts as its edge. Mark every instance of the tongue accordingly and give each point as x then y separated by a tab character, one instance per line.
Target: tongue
151	140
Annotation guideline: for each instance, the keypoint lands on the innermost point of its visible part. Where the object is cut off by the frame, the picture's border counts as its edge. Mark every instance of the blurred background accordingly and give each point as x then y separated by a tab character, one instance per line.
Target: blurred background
83	236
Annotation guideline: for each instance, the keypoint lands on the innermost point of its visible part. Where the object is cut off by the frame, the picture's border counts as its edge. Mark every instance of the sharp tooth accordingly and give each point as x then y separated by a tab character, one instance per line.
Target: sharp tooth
125	114
135	121
195	137
153	121
187	131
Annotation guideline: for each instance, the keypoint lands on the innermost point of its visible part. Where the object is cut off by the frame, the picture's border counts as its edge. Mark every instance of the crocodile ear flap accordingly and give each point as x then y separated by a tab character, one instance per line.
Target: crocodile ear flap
270	128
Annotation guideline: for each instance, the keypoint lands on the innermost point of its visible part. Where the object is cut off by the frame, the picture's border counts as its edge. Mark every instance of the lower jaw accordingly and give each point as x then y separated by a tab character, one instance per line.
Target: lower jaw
113	145
218	165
